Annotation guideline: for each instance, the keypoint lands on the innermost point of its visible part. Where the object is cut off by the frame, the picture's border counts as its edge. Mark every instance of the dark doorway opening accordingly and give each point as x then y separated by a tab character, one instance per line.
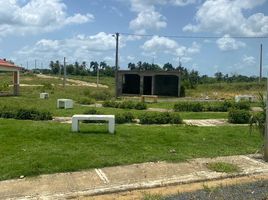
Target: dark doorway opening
166	85
131	84
147	85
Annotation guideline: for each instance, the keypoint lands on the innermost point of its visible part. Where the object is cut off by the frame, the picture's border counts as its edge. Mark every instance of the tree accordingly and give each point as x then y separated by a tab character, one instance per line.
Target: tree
260	121
103	65
219	76
193	78
70	69
139	65
94	65
168	67
131	66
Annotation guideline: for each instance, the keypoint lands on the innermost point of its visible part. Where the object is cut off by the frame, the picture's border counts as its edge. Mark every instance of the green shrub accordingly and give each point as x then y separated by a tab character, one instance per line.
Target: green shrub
86	101
182	91
238	116
175	118
32	114
188	106
125	105
46	87
92	111
140	106
101	95
126	117
242	105
112	104
219	106
4	87
160	118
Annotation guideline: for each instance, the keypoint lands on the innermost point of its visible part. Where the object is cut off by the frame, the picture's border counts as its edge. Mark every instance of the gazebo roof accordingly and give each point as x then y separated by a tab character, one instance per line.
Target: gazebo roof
7	66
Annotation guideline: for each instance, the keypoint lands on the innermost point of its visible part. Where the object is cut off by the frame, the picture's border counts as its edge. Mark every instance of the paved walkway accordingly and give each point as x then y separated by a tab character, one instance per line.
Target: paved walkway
124	178
193	122
207	122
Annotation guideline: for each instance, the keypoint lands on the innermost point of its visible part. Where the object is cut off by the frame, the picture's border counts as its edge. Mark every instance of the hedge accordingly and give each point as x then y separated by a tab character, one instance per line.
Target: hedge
25	114
239	116
126	117
160	118
185	106
125	105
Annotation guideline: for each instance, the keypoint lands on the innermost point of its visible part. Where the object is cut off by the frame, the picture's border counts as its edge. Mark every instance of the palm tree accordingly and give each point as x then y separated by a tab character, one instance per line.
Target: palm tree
259	121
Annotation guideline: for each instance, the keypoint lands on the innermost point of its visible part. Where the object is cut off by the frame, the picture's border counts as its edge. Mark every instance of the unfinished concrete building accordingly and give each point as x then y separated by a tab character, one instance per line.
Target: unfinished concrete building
161	83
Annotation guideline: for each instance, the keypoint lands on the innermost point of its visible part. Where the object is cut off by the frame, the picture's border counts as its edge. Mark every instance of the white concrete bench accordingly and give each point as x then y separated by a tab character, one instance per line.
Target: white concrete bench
77	118
65	103
44	95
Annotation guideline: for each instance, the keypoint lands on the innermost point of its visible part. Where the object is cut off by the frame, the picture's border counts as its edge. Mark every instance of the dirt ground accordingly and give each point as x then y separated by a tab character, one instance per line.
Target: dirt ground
76	82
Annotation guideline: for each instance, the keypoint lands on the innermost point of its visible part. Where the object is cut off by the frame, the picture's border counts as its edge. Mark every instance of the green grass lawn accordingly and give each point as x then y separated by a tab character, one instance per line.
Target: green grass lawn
31	148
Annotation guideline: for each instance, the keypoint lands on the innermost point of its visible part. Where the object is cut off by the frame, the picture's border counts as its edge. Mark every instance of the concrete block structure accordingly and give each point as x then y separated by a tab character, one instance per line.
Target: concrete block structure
10	67
161	83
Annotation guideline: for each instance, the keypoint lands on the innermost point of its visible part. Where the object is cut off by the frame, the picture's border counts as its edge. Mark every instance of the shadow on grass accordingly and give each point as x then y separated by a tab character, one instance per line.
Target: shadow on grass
95	132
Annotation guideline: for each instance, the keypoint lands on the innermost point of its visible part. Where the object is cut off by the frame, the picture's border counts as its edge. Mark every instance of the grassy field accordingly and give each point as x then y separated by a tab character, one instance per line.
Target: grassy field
30	98
30	148
226	90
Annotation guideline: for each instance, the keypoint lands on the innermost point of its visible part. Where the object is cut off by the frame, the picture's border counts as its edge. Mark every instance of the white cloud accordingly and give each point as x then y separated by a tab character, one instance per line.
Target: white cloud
131	58
34	16
248	60
227	16
165	45
148	17
227	43
80	47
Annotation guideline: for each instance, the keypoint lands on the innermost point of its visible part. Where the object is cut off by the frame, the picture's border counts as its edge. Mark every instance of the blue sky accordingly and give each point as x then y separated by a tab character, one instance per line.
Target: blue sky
81	30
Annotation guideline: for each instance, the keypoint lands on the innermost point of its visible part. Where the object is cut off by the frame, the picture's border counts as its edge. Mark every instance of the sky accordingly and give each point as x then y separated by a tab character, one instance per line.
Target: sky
225	35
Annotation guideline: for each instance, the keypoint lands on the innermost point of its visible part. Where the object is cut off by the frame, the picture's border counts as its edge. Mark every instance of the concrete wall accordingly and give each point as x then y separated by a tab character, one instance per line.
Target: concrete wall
122	75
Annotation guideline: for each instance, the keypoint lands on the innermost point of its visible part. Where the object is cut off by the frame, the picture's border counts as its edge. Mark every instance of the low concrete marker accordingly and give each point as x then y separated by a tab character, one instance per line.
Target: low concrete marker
65	103
44	95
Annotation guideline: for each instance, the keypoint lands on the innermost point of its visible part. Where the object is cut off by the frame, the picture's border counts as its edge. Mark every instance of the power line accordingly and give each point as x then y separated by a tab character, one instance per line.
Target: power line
195	37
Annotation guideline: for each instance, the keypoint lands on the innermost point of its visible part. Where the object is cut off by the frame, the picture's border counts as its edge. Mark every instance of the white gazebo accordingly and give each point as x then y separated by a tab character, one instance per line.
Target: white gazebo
10	67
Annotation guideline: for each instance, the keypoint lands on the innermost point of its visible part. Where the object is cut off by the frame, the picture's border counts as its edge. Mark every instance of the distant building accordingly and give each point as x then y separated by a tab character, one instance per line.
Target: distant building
161	83
10	67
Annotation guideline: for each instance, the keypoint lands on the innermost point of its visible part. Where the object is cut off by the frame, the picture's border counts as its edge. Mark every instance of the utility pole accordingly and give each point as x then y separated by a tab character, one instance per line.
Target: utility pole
98	75
260	64
64	72
116	64
35	64
27	65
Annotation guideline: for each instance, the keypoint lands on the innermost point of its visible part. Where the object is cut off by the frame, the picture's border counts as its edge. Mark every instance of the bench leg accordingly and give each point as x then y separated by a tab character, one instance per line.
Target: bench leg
75	125
111	125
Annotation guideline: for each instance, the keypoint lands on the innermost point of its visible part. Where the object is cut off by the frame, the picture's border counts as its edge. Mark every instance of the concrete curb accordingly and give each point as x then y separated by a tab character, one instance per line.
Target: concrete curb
249	166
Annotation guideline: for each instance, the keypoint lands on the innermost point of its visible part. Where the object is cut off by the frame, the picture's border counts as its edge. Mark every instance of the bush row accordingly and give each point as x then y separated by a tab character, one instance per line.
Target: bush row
145	118
25	114
125	105
160	118
210	106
